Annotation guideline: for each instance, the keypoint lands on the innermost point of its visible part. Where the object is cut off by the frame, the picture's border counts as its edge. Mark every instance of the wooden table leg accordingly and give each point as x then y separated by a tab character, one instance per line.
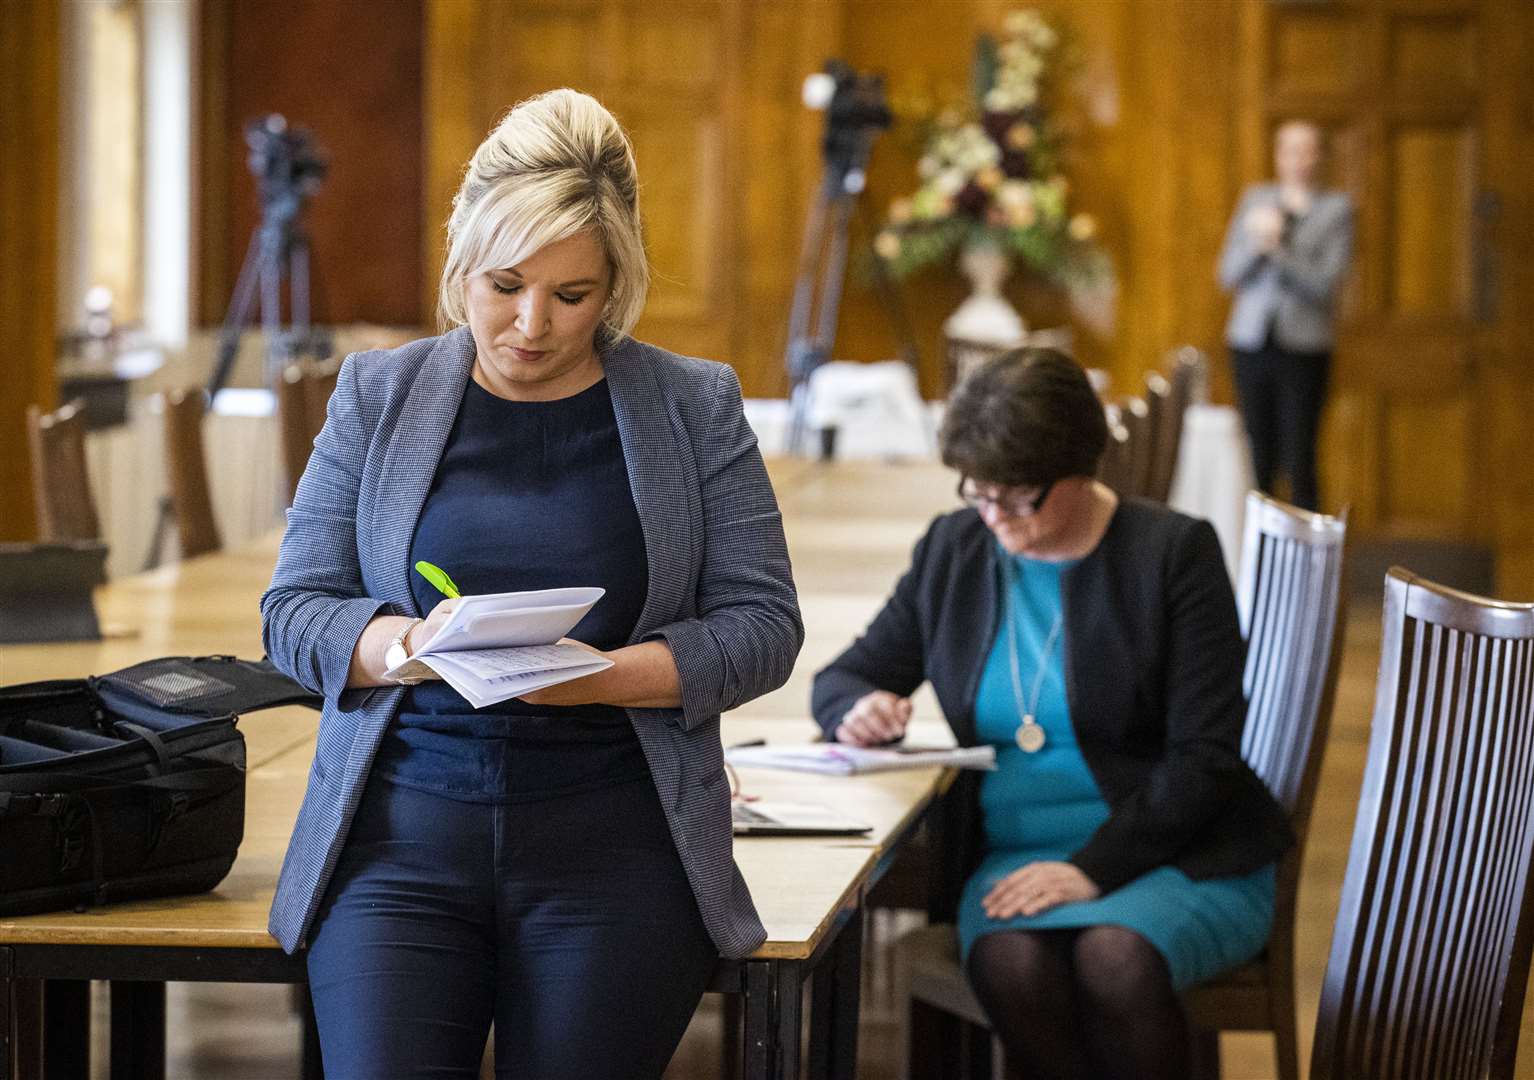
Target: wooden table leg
774	1011
7	1017
66	1029
138	1030
847	976
834	1005
27	1023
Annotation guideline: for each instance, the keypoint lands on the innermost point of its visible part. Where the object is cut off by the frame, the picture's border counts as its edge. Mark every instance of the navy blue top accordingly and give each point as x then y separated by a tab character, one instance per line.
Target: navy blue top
528	495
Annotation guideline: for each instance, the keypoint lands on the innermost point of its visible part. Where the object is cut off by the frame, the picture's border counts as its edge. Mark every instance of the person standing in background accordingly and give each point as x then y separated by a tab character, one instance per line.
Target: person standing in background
1285	253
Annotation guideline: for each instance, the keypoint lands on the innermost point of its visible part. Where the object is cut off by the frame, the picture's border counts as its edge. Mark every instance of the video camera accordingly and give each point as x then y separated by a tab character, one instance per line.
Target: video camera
855	110
286	162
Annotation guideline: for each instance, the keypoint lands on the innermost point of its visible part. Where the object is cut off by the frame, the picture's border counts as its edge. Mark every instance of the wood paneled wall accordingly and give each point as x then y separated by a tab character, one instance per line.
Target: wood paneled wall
1171	107
29	179
709	94
351	73
729	157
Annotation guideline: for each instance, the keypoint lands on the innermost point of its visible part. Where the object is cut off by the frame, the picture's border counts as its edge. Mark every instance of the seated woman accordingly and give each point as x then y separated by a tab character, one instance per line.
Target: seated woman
1122	850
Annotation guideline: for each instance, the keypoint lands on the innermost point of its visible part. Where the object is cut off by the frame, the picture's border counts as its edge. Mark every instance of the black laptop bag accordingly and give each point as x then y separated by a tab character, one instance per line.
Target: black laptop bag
128	785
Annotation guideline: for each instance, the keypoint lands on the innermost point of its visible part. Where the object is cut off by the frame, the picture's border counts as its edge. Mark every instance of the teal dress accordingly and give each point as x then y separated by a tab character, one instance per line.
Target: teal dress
1044	806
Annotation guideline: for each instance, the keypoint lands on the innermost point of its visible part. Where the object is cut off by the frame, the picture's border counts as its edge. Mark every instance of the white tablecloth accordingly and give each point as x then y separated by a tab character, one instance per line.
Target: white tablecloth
1214	473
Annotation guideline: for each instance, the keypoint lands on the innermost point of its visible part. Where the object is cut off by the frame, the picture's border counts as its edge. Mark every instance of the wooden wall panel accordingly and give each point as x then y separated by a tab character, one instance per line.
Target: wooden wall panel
1424	52
29	186
1432	180
296	57
1315	52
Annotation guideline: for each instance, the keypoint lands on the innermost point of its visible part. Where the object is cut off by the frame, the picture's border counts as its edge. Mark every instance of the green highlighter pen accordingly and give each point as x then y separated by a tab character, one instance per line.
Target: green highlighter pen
438	578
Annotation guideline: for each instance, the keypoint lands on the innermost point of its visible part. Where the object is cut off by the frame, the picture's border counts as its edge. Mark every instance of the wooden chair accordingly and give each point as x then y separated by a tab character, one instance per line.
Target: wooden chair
1113	468
186	472
60	479
1158	403
1292	606
1189	384
303	392
1430	954
1134	414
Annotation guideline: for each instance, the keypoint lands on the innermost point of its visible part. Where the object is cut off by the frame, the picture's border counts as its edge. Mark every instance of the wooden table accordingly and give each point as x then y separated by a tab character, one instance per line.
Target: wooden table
809	891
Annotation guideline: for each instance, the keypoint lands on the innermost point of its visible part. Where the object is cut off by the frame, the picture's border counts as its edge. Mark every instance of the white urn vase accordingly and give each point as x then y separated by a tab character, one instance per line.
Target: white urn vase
985	317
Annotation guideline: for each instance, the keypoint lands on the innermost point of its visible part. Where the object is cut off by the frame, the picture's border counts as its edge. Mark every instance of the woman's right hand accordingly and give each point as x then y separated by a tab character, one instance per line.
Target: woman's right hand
875	718
435	620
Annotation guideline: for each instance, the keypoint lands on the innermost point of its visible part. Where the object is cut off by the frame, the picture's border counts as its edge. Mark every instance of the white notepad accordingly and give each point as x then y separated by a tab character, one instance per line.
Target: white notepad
842	760
503	645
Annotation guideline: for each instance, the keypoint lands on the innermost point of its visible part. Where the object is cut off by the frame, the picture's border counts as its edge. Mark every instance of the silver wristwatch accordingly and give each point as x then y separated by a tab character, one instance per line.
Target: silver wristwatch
396	655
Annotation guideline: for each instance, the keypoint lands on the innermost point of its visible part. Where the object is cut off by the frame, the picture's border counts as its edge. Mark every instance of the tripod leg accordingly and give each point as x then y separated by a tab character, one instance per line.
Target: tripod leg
237	315
298	291
809	258
271	311
833	273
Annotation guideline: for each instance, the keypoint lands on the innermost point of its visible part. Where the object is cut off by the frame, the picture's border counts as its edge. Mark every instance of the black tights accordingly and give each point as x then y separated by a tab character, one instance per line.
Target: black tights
1093	1004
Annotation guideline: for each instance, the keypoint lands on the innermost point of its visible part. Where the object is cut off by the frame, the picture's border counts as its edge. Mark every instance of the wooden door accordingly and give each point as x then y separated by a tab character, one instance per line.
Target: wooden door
1418	98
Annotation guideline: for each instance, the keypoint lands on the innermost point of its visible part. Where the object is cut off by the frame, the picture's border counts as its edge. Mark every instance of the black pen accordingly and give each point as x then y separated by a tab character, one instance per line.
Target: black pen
743	745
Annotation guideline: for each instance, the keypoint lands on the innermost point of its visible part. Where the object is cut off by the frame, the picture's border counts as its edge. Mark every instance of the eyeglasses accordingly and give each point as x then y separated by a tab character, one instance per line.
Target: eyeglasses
1006	499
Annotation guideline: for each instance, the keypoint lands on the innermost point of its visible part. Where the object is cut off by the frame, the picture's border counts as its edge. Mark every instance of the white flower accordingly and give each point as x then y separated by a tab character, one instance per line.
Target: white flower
887	245
1082	227
1014	193
949	182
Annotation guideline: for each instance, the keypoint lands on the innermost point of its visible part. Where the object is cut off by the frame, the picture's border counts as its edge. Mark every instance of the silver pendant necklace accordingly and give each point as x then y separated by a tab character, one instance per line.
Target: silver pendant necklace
1030	736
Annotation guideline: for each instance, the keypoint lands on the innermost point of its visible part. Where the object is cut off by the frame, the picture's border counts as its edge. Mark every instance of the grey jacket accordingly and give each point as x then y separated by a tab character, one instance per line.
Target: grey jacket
721	594
1293	289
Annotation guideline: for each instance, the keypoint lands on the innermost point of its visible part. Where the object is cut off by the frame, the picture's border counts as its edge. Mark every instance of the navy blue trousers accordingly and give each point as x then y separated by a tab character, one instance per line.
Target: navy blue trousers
567	921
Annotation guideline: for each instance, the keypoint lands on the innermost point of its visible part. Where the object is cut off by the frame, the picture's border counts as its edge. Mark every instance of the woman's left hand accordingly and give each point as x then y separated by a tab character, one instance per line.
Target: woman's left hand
582	691
1036	888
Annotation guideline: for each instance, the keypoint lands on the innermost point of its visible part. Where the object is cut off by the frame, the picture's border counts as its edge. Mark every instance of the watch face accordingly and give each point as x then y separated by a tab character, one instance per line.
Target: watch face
395	655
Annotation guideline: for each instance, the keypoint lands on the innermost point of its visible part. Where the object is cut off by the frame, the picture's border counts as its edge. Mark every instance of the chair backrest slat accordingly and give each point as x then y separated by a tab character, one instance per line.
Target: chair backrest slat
61	488
1430	955
187	472
303	393
1134	414
1290	600
1113	466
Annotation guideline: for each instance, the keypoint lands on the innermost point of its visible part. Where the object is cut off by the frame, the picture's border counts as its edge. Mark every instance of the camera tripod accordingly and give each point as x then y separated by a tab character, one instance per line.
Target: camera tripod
288	170
855	114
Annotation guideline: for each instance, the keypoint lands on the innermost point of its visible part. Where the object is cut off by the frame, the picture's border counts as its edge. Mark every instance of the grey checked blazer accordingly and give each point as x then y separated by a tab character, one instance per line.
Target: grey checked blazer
721	594
1293	289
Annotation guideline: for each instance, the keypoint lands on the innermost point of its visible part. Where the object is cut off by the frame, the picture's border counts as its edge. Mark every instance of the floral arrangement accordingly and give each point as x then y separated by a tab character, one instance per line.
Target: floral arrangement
994	176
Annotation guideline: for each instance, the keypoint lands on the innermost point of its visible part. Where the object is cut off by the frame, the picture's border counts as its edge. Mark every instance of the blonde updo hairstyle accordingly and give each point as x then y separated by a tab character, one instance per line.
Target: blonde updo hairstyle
556	164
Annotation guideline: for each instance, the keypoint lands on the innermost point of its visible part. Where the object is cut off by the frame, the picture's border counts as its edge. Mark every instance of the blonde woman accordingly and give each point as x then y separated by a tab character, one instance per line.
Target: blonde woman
531	863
